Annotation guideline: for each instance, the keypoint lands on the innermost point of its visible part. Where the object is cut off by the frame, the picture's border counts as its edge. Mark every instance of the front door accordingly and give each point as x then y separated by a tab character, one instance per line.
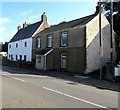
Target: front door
40	62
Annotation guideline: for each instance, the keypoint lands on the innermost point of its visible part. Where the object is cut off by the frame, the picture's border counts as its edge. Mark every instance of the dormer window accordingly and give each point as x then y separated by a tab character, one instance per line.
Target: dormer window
64	39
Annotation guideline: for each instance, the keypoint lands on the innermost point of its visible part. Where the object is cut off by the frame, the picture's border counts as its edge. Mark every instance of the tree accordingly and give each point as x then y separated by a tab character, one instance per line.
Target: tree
5	47
116	22
58	24
1	46
116	14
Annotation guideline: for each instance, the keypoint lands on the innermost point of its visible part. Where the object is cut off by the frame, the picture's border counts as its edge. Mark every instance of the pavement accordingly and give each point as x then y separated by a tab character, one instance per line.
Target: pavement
89	80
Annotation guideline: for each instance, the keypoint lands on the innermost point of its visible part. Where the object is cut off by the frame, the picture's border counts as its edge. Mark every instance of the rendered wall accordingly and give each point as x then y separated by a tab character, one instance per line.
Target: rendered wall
21	49
93	44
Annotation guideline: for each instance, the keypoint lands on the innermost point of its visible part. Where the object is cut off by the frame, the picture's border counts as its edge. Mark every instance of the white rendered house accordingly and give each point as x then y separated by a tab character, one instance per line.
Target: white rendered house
22	44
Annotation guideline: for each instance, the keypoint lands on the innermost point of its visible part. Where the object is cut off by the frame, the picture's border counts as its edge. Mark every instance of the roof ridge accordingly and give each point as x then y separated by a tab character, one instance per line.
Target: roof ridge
26	32
30	25
73	20
81	20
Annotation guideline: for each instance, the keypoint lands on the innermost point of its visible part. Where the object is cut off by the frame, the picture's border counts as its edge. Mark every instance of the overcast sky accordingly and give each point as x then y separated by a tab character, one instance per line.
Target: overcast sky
16	13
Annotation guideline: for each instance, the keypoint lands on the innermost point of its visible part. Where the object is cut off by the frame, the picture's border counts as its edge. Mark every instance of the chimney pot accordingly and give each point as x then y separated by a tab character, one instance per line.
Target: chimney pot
99	8
25	25
19	27
44	17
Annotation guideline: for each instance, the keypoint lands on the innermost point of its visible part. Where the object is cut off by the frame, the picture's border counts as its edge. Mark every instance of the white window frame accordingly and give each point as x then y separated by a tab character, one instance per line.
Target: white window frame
49	39
10	46
38	42
63	56
62	35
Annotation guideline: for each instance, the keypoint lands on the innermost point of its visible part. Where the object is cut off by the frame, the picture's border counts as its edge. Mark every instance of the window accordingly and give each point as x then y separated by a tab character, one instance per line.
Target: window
63	61
64	39
16	45
25	44
20	57
49	40
24	57
39	58
9	46
38	42
11	57
16	57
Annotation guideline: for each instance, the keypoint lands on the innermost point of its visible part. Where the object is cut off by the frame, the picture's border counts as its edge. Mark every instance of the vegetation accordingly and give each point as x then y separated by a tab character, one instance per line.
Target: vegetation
58	24
116	14
1	46
5	47
116	21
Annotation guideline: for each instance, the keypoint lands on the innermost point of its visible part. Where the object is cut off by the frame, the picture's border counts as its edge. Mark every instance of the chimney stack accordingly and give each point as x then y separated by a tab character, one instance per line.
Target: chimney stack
19	27
25	25
44	17
98	9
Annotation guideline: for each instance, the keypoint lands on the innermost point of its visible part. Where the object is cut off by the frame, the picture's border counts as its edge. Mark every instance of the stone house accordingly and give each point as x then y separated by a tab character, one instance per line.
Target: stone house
74	46
22	45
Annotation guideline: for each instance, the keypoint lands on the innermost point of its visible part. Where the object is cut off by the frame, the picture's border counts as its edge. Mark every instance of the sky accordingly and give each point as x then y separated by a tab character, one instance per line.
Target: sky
14	14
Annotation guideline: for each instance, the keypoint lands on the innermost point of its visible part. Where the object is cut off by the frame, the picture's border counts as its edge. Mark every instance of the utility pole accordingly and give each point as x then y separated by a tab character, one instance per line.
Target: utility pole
100	39
111	32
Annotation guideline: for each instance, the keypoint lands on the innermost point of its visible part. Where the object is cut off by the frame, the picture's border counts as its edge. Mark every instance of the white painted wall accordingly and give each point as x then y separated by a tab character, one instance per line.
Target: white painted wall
40	62
92	43
21	49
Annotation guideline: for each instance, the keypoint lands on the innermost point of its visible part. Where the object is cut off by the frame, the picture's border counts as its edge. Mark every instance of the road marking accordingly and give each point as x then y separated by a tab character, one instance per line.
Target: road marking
42	76
91	103
83	77
14	78
18	79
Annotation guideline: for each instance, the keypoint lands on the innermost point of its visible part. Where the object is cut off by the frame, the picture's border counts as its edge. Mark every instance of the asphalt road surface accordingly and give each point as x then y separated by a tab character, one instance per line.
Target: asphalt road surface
23	90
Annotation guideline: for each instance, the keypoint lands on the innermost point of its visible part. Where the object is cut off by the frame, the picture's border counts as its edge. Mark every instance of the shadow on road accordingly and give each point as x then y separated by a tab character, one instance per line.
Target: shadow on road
89	80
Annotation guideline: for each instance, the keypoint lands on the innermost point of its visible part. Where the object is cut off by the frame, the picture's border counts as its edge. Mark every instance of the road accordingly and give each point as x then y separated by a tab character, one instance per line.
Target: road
24	90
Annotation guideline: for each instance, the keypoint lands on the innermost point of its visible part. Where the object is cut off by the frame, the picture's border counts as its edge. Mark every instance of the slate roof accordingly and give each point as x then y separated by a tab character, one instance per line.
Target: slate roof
26	32
43	51
81	21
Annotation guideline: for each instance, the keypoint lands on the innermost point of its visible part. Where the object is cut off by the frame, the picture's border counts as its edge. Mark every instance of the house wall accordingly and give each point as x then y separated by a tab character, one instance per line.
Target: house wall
75	50
34	38
76	38
21	49
93	42
40	62
49	61
75	59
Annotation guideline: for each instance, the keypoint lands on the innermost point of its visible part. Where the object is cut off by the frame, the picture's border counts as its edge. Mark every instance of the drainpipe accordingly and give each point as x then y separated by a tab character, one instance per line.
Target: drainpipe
100	39
45	63
111	32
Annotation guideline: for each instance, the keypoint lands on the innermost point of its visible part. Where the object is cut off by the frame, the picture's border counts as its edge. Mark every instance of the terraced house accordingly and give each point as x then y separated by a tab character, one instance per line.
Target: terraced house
70	46
74	46
21	46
